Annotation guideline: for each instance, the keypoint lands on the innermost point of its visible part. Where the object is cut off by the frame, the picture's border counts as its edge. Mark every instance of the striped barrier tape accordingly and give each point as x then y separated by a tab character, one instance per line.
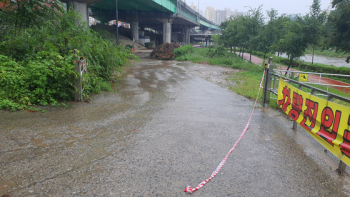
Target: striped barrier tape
188	189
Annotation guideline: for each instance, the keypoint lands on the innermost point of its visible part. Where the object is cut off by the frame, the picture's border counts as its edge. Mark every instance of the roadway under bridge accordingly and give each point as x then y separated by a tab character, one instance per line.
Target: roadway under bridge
171	19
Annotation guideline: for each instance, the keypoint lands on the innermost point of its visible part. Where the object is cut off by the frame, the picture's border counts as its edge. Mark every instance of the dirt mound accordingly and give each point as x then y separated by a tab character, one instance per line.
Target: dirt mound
165	51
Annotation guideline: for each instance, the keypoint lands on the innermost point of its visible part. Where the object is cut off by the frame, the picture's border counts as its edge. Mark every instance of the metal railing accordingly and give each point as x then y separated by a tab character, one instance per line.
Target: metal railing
272	75
313	90
290	73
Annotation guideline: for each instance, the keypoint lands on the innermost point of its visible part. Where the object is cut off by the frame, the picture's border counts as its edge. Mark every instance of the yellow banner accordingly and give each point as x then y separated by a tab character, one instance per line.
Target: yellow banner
327	122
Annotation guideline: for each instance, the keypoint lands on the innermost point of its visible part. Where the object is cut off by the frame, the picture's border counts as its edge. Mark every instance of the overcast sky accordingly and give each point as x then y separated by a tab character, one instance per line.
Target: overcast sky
283	6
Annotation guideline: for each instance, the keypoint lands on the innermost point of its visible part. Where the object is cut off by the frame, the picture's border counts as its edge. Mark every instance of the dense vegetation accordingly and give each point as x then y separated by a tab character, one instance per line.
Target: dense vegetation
285	34
37	62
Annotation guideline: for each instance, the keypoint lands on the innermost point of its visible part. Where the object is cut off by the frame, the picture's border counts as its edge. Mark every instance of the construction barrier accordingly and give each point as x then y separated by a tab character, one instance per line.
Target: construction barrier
326	121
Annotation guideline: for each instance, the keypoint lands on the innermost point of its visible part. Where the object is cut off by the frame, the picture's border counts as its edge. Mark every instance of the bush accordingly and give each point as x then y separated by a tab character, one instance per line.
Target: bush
36	65
183	50
41	80
218	51
148	44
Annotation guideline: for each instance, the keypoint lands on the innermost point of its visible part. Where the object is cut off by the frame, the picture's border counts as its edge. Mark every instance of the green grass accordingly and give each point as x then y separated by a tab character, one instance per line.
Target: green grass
200	55
247	85
229	60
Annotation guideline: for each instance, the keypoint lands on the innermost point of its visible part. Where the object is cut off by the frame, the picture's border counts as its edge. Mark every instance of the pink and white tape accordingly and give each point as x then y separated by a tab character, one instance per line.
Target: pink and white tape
188	189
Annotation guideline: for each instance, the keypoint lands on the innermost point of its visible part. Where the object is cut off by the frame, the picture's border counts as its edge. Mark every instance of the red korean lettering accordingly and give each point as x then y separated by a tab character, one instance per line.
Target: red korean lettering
310	113
345	146
297	106
286	94
327	120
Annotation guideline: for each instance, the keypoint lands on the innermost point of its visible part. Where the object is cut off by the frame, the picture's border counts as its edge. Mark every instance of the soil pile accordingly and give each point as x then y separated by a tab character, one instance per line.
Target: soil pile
165	51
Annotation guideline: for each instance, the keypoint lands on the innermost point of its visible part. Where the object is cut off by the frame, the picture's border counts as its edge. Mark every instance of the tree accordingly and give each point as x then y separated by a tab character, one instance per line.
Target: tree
294	42
253	23
267	36
339	22
280	33
27	13
230	35
314	25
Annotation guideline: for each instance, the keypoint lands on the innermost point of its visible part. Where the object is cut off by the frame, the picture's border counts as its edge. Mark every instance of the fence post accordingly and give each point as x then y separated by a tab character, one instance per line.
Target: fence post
267	82
77	81
342	165
295	124
265	85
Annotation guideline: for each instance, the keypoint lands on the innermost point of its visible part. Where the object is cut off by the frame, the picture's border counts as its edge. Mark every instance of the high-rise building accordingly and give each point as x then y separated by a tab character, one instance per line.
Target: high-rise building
210	14
222	15
236	13
193	7
219	16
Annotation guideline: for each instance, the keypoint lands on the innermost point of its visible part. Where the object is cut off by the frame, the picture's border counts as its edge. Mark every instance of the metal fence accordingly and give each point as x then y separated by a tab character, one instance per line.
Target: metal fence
270	86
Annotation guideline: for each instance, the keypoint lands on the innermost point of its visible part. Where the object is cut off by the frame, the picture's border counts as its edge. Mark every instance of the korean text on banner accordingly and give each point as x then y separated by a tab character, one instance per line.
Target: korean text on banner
327	122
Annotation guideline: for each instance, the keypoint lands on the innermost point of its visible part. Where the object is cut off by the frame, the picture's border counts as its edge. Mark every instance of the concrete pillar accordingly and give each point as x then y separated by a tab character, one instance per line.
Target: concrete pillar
184	39
166	32
174	37
187	35
81	8
207	41
135	31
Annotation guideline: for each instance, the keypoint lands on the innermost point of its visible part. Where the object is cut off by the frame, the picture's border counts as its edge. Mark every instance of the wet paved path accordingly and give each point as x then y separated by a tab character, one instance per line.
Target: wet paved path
312	78
164	129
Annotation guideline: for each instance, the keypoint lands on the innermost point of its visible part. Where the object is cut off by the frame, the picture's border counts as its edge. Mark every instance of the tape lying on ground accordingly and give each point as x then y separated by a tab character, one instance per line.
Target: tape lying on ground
188	189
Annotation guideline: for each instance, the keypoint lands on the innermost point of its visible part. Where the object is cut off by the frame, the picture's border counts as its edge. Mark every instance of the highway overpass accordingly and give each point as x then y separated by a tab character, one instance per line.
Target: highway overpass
172	18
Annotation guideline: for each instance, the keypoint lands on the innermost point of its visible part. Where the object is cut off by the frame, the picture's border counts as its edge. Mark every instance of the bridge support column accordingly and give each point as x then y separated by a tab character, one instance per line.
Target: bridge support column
81	8
187	35
166	32
135	31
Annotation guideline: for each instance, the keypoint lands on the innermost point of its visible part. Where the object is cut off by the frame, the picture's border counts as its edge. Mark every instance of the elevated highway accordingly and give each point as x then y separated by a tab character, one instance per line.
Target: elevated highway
173	18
